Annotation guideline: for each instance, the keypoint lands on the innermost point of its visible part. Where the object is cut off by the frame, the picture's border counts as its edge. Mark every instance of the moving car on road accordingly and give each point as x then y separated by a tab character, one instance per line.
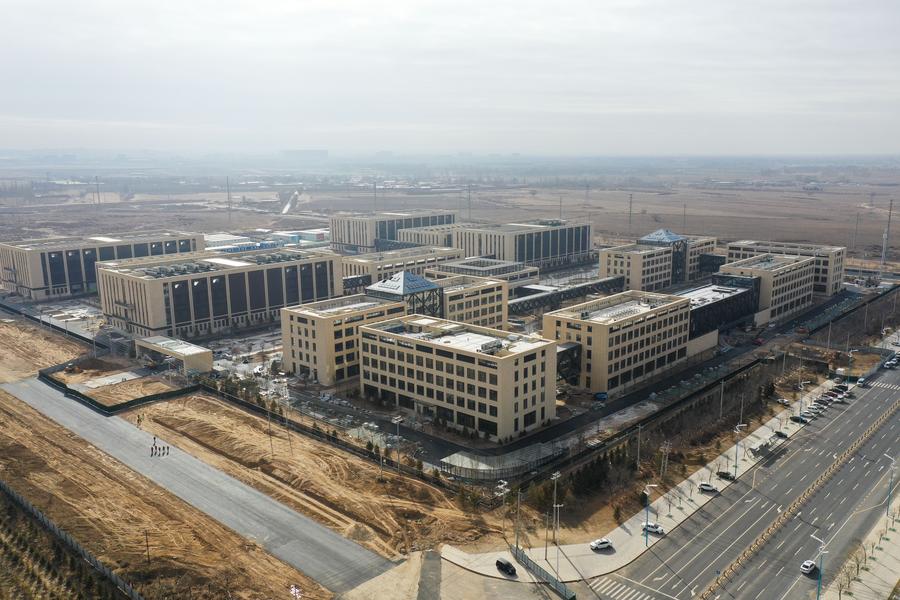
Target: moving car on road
601	544
807	567
653	528
504	566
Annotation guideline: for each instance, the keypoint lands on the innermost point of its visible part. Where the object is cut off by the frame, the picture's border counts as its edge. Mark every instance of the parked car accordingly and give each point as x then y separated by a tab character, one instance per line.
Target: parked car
784	401
726	475
807	567
799	419
504	566
653	528
758	342
705	486
601	544
781	434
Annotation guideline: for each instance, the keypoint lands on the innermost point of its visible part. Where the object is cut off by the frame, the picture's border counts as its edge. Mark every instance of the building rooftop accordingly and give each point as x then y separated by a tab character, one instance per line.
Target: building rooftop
464	282
64	242
439	228
403	283
391	215
618	307
708	294
178	347
524	226
799	246
484	267
637	249
662	235
176	265
403	253
461	336
767	262
336	307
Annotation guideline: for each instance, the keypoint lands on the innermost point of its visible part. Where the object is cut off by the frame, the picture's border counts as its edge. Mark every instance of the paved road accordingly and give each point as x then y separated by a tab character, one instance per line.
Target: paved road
333	561
687	559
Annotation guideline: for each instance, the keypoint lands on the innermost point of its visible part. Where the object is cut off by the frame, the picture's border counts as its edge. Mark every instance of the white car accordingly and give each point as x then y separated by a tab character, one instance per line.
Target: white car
601	544
653	528
807	567
705	486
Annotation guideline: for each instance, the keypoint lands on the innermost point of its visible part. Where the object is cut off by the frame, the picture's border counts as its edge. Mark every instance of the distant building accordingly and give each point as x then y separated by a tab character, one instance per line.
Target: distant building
434	235
467	377
828	276
625	338
515	273
358	232
645	268
204	293
786	283
383	265
544	243
686	252
51	268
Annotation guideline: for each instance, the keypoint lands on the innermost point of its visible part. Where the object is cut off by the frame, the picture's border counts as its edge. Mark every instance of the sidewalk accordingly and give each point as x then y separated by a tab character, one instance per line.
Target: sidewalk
883	566
578	562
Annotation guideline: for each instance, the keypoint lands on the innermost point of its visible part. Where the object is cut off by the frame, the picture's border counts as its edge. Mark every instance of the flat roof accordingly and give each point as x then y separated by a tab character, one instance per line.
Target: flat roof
339	306
637	249
64	242
401	253
708	294
525	226
800	246
173	346
460	336
767	262
391	215
186	263
443	227
618	307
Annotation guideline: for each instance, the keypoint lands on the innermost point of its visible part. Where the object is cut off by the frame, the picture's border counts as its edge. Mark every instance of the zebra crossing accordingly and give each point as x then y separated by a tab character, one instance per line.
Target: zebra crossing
611	589
889	386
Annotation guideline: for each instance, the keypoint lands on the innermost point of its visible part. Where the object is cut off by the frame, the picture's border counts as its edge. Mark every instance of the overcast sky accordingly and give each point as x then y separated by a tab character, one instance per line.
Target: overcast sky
606	77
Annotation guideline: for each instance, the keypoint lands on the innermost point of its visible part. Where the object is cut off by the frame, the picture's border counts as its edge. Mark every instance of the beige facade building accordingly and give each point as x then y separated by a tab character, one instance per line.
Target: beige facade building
544	243
357	232
384	265
435	235
59	267
321	339
469	377
514	273
828	274
625	338
646	268
697	246
203	293
786	283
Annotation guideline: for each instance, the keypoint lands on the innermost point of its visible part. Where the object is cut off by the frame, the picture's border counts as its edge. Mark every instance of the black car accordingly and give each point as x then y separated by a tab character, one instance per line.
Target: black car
504	566
781	434
799	419
726	475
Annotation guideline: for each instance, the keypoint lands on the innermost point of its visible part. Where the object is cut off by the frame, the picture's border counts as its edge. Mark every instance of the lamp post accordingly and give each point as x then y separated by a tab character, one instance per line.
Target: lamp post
822	553
647	517
887	509
553	478
396	421
737	431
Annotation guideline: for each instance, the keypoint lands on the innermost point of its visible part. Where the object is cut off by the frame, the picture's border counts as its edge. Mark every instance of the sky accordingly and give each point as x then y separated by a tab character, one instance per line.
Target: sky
595	77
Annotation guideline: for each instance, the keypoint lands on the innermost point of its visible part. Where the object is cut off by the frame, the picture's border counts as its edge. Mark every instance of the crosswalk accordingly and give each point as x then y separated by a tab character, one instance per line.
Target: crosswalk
611	589
889	386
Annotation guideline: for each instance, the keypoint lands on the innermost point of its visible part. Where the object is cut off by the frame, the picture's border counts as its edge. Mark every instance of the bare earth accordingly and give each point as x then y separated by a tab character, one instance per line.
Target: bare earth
333	487
26	348
109	507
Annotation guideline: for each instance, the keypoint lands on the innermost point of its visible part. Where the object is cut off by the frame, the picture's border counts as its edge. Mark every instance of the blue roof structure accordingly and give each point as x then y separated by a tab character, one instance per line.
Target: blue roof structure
664	236
403	283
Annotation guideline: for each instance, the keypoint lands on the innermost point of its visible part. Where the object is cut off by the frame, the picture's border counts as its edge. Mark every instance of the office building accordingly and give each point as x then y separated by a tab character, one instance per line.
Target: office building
58	267
828	274
624	339
467	377
516	274
384	265
786	283
204	293
645	268
545	243
358	232
434	235
686	252
321	339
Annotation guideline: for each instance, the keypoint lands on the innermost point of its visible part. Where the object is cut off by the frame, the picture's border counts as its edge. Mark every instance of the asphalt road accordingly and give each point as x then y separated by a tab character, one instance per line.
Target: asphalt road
689	557
332	560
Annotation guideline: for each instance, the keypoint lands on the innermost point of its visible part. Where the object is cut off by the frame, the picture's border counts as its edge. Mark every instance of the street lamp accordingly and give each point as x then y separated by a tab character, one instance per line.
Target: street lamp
396	421
647	511
822	553
737	441
887	509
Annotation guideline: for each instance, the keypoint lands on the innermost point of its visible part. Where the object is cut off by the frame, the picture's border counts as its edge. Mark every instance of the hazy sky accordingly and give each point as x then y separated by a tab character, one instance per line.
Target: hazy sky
594	77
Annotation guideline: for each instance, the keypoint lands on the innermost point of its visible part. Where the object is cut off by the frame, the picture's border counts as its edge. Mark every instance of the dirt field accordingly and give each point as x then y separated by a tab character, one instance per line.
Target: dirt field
109	508
337	489
25	348
109	395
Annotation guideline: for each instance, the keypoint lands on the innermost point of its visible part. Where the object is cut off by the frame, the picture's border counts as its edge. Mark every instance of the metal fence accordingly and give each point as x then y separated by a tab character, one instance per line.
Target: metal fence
71	542
555	584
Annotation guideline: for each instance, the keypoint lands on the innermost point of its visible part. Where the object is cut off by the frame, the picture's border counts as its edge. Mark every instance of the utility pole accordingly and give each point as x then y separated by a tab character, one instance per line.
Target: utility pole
469	199
721	398
518	504
553	478
147	540
684	218
639	447
228	194
630	199
855	233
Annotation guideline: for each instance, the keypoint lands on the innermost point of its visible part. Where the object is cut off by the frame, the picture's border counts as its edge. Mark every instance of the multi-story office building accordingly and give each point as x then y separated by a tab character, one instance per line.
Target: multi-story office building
469	377
321	339
206	292
624	338
59	267
434	235
544	243
384	265
646	268
828	275
686	252
786	283
515	273
357	232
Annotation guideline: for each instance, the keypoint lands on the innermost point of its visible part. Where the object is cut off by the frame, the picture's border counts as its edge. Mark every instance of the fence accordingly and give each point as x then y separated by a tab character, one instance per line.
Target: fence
46	323
555	584
71	542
